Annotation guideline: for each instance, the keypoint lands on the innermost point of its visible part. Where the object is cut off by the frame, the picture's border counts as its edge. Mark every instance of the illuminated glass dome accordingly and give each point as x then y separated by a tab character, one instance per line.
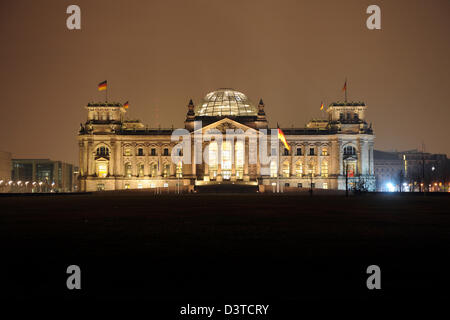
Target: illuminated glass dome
225	102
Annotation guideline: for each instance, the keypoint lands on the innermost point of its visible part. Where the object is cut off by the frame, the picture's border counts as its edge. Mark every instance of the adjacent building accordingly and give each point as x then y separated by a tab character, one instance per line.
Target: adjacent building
41	175
411	170
5	170
115	153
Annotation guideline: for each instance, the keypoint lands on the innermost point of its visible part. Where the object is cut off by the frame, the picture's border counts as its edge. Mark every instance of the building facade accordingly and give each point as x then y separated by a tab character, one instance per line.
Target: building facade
411	170
115	153
41	175
5	171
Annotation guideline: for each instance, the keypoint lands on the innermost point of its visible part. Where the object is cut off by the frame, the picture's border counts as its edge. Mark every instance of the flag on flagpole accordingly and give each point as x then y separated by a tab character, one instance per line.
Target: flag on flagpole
126	105
344	88
321	106
102	85
282	138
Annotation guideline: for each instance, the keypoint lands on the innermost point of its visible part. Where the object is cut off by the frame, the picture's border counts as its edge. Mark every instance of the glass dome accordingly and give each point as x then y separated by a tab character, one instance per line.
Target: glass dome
226	102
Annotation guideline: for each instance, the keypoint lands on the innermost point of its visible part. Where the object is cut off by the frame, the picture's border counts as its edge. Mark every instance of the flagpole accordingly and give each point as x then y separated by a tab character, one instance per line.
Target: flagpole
278	166
345	90
106	94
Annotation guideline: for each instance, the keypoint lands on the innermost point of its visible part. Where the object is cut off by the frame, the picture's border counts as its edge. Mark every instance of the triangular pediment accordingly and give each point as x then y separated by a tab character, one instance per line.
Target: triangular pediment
226	124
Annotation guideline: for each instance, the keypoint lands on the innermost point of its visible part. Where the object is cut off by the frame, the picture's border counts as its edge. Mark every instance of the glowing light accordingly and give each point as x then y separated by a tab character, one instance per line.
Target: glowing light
390	187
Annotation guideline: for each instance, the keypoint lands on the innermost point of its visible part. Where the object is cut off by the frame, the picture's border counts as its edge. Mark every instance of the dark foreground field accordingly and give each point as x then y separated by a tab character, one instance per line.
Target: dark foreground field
225	248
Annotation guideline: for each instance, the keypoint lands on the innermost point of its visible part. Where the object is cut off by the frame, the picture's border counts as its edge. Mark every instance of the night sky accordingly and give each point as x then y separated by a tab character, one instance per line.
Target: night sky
159	54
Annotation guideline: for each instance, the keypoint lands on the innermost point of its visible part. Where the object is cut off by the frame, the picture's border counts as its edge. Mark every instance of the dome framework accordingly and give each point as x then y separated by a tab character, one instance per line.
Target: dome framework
226	102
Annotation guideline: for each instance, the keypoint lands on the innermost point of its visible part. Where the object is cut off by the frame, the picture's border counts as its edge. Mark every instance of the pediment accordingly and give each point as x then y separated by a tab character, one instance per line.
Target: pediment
226	124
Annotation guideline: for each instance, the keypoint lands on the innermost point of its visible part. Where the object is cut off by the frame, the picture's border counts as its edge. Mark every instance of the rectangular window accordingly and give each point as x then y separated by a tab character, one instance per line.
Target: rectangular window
153	152
274	151
140	152
127	186
325	185
139	186
166	152
313	185
286	184
299	151
100	187
127	152
299	185
311	151
286	152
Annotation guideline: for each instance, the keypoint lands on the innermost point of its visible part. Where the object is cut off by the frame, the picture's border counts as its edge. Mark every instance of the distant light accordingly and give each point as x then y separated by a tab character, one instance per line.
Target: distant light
433	168
390	187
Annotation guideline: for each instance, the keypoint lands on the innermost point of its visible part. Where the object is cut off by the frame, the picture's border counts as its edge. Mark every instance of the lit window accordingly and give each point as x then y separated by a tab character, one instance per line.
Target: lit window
102	170
299	169
127	152
141	170
166	170
324	151
154	170
179	172
273	169
139	186
128	169
286	169
324	170
325	185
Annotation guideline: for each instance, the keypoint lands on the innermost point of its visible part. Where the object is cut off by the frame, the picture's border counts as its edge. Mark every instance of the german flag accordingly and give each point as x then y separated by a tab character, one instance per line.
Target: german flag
126	105
102	85
282	138
345	86
321	106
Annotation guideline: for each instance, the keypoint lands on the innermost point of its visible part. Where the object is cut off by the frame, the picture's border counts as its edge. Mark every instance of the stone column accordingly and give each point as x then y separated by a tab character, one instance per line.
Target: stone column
91	166
111	169
246	155
85	158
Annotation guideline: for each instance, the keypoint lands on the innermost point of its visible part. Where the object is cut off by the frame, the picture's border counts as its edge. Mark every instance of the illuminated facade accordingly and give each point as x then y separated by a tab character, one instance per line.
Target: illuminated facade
121	154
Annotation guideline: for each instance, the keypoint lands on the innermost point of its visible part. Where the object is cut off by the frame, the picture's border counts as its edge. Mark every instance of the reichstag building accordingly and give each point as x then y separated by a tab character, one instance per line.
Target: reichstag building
115	153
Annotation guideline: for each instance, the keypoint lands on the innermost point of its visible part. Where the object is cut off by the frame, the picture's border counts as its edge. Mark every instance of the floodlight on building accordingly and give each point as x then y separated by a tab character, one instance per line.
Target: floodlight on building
433	168
10	182
40	183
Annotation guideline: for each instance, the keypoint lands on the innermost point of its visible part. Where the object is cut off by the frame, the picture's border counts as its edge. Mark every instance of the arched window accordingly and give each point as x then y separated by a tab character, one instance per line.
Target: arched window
324	151
141	170
285	169
127	152
324	169
128	169
179	171
349	151
166	170
102	152
154	170
273	168
299	169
